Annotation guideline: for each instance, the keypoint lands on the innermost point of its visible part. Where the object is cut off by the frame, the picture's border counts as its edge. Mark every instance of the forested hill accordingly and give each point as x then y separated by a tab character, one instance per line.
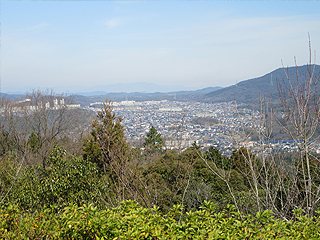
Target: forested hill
88	97
248	90
140	96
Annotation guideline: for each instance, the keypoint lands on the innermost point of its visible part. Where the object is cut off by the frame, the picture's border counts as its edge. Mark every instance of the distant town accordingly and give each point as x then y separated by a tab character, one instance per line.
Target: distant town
225	126
176	123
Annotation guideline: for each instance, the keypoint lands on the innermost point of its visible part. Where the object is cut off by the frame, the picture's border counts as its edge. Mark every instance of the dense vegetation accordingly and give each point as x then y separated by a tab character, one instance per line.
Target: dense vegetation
205	121
55	183
114	190
130	221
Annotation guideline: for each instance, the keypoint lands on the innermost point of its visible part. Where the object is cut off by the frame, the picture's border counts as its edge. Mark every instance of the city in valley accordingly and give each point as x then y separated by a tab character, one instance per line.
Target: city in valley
221	125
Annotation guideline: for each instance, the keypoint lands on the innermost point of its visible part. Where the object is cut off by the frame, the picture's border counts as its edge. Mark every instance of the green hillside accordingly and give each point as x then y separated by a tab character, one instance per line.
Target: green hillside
248	90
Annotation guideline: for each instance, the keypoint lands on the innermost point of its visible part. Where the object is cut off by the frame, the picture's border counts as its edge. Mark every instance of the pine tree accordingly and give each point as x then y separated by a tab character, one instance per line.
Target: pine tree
106	141
33	142
153	141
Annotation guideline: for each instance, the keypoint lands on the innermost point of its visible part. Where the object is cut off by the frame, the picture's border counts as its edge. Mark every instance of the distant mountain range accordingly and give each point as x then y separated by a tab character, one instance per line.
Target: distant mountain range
143	87
11	96
243	92
99	96
267	85
139	96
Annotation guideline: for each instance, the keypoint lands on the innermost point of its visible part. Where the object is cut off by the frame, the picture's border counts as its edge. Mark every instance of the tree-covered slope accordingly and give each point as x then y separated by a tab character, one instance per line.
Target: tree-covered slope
248	90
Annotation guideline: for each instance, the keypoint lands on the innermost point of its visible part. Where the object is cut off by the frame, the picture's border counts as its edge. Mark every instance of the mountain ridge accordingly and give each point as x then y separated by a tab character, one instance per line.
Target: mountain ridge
103	89
265	86
244	91
84	100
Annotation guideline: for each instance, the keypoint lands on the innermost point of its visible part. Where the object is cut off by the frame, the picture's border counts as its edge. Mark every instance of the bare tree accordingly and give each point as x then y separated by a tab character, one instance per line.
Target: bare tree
276	183
47	115
13	128
300	112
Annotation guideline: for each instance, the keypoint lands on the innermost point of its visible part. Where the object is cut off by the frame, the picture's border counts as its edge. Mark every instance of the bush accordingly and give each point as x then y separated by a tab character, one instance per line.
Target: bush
64	181
130	221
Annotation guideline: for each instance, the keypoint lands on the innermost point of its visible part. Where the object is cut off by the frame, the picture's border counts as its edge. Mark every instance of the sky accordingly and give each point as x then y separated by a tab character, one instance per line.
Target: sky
194	44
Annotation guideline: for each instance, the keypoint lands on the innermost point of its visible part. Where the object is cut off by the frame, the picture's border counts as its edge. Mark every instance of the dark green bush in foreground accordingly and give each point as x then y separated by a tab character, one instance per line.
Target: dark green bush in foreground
130	221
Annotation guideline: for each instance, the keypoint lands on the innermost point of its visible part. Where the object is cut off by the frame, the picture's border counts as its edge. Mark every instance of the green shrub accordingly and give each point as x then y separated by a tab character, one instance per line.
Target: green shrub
130	221
64	181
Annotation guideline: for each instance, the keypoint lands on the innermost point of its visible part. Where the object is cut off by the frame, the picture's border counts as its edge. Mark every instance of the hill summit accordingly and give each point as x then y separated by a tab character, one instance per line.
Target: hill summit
249	90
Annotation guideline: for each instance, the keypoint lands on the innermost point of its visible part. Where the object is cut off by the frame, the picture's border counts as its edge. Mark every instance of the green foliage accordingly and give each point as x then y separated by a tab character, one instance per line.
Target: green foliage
205	121
6	143
164	175
130	221
92	150
65	180
153	141
8	171
106	141
198	191
213	155
33	142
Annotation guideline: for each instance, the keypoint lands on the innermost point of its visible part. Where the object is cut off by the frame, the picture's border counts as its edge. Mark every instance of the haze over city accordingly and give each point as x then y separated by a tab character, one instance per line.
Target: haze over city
194	44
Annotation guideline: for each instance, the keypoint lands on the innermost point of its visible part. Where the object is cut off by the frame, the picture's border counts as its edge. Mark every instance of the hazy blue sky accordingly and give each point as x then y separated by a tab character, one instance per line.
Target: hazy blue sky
190	43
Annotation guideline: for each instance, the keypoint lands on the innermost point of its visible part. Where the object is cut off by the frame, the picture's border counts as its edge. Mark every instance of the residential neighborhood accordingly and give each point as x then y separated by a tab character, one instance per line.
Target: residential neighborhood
175	121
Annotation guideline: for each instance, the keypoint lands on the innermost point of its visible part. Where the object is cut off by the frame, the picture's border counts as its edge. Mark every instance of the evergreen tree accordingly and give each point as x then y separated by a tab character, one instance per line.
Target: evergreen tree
107	147
34	142
153	141
106	141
